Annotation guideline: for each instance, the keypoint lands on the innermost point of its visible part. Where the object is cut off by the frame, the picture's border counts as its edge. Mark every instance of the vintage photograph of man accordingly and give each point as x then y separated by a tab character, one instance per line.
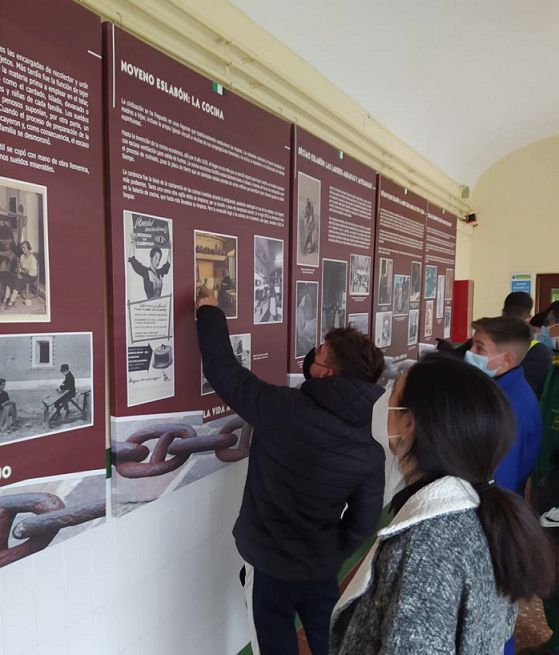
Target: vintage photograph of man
413	327
449	283
440	296
334	295
308	220
268	280
306	317
430	288
428	319
215	257
401	295
383	329
359	275
241	345
447	322
24	258
45	384
359	322
415	292
148	252
385	282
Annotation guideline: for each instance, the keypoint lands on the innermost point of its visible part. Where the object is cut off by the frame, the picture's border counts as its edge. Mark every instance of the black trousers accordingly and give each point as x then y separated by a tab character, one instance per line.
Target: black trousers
275	604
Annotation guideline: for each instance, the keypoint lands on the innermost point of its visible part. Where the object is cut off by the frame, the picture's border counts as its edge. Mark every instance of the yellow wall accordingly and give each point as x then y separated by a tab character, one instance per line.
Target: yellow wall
517	204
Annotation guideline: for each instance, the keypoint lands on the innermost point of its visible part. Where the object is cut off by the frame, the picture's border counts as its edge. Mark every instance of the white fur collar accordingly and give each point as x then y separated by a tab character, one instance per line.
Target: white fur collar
445	496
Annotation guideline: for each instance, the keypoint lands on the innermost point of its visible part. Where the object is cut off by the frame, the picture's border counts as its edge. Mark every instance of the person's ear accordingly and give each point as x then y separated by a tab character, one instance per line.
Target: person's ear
510	359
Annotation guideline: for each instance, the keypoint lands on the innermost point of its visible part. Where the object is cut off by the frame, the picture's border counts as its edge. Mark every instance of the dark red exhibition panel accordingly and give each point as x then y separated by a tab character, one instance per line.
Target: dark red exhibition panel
332	231
438	264
204	174
51	197
399	245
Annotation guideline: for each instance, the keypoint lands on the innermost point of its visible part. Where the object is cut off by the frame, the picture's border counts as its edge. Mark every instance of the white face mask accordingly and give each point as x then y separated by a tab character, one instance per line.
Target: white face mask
393	477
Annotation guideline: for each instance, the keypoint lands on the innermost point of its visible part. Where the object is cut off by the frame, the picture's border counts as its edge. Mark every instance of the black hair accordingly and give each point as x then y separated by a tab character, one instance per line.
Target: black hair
2	381
518	304
463	427
354	354
65	367
154	251
25	243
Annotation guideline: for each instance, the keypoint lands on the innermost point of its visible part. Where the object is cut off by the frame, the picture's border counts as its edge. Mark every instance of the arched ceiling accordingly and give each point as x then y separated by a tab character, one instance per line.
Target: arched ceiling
464	82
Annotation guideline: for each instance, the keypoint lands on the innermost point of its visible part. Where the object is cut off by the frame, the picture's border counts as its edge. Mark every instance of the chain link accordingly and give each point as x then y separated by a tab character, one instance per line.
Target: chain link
51	516
179	441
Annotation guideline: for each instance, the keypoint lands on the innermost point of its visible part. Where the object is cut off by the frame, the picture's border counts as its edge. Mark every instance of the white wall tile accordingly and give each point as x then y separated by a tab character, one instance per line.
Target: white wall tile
78	578
17	601
50	592
80	636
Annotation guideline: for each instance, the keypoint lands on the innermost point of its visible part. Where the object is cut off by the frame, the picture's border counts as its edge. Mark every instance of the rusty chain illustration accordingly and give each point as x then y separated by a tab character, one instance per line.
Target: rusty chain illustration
51	515
180	441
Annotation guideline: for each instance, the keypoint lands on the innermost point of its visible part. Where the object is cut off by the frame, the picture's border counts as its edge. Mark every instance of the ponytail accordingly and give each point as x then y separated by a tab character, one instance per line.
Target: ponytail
521	552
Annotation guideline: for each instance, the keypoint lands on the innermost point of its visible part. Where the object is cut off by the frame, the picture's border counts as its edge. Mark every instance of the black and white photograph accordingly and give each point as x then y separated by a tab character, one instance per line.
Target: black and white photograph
401	295
24	253
268	280
308	220
449	284
383	329
447	323
46	384
148	250
430	282
415	292
413	327
440	296
385	282
215	257
359	275
242	350
428	319
359	322
334	295
306	317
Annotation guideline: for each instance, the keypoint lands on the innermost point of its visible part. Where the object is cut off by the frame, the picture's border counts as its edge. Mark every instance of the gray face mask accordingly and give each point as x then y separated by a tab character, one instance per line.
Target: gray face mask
307	363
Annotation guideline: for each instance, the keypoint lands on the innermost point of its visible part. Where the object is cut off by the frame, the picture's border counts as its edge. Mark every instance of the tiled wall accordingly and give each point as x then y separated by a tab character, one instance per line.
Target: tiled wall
162	580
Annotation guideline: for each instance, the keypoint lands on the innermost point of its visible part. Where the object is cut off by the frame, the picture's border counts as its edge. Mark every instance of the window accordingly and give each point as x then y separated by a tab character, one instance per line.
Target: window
43	355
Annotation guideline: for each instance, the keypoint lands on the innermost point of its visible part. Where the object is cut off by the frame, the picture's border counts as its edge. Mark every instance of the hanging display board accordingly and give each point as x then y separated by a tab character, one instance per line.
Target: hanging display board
332	231
399	249
438	279
52	270
198	197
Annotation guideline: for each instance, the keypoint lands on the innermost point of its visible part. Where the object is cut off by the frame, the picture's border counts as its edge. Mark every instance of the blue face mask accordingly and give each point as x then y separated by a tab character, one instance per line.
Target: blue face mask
544	337
481	362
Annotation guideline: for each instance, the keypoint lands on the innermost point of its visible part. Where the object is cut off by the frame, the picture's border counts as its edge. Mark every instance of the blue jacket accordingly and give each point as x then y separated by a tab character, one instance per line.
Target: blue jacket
517	464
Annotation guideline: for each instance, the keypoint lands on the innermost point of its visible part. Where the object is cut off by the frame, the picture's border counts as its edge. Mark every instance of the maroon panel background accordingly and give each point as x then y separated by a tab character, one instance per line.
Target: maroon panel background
400	237
60	35
245	127
440	251
323	166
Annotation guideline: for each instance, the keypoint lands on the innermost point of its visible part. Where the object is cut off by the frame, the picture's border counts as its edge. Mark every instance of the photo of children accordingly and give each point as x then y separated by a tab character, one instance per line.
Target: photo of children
383	329
24	260
359	275
308	220
401	295
268	280
306	317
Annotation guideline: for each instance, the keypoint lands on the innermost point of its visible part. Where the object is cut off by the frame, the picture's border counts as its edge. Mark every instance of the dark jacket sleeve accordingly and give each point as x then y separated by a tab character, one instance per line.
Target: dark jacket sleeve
537	365
139	268
364	507
254	400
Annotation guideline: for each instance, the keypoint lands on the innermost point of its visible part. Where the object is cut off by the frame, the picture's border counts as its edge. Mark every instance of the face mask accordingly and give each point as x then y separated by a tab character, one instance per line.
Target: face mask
481	362
544	337
393	477
307	363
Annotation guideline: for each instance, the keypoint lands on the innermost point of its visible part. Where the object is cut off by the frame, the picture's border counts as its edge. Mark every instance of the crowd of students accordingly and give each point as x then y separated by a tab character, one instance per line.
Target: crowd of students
455	439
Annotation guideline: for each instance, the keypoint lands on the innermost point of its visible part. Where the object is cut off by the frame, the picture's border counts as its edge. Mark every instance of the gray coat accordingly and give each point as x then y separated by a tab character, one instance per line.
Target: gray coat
428	586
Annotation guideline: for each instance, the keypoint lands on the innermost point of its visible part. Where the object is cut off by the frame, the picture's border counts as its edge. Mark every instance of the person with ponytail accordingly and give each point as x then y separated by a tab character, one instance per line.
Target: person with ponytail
445	575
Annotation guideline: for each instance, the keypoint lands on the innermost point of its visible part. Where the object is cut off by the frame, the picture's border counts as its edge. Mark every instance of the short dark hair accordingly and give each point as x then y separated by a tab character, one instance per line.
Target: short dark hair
463	426
518	304
355	355
64	367
154	251
505	329
2	381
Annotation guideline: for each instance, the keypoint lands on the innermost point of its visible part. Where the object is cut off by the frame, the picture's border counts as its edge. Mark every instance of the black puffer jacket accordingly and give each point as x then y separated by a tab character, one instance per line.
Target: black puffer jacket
312	453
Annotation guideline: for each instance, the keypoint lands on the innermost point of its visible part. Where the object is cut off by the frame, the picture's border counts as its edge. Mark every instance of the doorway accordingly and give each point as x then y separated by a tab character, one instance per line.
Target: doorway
547	290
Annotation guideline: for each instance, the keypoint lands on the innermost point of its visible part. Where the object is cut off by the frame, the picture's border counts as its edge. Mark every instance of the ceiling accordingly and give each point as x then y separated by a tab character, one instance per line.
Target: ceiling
464	82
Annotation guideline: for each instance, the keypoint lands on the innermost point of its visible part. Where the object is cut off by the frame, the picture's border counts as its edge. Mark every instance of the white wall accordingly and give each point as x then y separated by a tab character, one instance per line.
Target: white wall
162	580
